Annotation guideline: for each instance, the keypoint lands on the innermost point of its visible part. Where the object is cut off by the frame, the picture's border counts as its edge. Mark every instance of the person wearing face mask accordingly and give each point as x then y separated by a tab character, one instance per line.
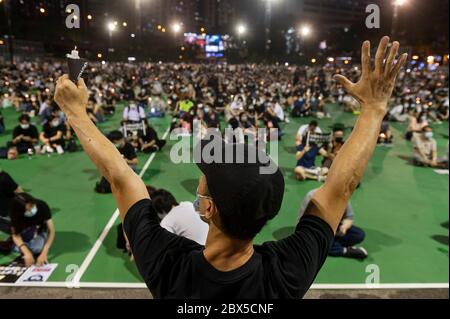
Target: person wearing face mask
25	135
425	148
125	148
133	113
32	229
52	136
333	148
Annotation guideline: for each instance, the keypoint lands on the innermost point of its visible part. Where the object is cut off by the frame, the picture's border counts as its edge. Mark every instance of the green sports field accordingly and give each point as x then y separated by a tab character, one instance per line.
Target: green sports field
403	209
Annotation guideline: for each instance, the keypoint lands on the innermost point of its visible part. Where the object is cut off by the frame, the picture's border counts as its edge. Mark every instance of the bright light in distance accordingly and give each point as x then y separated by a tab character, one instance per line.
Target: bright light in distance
125	24
111	26
430	59
99	55
305	30
133	35
415	57
42	10
400	2
241	29
313	60
176	27
330	59
89	17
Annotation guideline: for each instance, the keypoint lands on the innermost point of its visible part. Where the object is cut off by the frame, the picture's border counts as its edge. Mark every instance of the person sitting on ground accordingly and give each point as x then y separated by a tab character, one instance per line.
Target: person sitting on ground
52	136
125	148
399	113
334	147
238	200
184	105
32	229
312	127
179	218
416	123
306	162
133	113
8	189
25	136
425	148
150	143
385	137
348	235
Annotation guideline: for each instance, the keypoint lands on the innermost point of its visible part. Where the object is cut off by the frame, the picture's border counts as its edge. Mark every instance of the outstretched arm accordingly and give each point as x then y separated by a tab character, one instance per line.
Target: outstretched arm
373	92
127	187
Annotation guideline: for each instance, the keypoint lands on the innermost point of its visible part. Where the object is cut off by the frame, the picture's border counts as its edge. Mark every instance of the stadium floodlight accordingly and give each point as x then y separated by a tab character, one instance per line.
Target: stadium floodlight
400	2
305	30
241	29
176	27
111	26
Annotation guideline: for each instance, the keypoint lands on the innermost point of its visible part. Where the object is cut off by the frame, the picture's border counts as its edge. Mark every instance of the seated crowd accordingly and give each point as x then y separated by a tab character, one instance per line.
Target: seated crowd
244	97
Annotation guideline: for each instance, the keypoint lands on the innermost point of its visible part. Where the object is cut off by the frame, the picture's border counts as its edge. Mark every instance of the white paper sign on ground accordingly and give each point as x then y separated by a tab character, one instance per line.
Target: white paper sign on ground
37	274
441	171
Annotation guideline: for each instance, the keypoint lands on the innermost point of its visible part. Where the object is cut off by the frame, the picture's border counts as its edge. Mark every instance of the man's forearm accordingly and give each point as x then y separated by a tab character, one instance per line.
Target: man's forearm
99	149
349	166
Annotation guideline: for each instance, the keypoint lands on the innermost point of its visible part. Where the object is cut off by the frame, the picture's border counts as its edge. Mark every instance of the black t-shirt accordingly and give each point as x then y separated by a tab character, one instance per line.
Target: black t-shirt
150	135
31	131
128	151
7	189
174	267
51	131
20	223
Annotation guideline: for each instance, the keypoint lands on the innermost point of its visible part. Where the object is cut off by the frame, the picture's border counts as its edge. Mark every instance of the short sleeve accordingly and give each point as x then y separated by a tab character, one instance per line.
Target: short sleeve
9	185
150	243
303	254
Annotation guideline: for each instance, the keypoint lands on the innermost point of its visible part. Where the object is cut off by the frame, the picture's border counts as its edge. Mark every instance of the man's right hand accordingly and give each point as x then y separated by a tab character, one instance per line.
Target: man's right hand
72	99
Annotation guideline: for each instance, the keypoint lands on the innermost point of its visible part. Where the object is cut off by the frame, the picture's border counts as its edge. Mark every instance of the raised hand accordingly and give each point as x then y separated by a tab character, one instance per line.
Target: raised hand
375	87
72	99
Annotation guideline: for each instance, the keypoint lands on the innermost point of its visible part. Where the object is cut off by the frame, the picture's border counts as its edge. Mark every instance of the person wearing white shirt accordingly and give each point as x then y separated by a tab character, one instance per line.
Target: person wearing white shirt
133	113
179	219
312	127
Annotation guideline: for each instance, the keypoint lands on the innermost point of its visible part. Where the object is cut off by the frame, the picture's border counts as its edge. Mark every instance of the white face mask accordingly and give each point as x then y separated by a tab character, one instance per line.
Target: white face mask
25	126
32	212
429	135
55	123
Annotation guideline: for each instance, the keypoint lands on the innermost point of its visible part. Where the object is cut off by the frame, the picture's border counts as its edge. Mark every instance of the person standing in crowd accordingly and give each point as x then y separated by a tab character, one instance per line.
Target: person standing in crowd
237	201
348	235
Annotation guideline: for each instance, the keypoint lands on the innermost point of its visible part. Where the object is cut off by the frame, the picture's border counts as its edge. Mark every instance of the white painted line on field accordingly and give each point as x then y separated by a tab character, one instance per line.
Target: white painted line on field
87	261
119	285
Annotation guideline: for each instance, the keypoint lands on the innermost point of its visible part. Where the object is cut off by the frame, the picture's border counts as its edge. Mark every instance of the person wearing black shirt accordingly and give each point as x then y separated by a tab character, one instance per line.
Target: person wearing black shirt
8	188
237	200
25	135
52	136
150	143
125	148
32	229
